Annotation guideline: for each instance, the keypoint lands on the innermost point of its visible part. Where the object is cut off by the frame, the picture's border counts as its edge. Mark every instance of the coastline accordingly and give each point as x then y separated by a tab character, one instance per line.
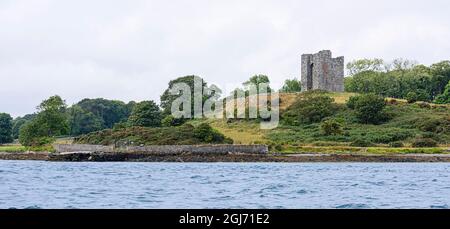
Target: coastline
223	157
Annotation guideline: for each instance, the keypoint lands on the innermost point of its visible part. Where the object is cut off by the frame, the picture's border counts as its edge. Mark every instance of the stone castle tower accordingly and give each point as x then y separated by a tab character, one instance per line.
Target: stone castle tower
321	71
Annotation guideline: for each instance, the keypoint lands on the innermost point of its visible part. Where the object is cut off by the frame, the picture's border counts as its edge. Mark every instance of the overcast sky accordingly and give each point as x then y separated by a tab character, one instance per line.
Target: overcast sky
129	50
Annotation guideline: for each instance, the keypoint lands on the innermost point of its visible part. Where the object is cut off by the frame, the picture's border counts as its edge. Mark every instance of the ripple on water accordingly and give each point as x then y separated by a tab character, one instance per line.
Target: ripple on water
34	185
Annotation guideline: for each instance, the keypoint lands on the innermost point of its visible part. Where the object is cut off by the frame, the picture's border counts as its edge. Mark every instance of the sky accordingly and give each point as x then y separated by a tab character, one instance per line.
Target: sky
130	50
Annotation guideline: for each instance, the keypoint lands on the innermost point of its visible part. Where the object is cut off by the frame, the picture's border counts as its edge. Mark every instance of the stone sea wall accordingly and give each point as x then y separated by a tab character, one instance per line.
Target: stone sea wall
169	149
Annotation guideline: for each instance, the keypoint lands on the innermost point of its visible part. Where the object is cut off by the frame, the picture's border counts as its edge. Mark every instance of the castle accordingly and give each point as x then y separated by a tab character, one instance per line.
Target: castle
321	71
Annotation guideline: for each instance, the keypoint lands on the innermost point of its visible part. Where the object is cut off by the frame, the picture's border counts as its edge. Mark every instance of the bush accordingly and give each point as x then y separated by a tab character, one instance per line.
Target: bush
435	125
361	143
331	127
145	114
207	134
424	143
396	144
411	97
369	108
180	135
312	108
169	121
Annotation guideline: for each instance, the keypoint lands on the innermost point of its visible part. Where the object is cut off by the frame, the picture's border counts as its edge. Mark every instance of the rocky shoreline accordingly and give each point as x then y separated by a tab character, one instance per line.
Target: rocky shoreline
218	157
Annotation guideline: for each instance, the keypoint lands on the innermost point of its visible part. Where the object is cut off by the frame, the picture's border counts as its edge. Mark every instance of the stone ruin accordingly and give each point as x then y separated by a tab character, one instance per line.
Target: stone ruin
322	72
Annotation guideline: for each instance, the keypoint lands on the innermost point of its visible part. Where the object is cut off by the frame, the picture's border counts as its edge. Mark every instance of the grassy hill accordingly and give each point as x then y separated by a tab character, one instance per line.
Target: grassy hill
407	123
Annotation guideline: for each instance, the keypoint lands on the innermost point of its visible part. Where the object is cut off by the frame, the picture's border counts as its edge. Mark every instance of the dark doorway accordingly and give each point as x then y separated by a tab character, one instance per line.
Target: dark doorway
309	77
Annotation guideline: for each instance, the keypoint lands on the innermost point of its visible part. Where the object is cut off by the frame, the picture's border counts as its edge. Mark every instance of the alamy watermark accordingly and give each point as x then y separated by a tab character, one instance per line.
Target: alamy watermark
255	102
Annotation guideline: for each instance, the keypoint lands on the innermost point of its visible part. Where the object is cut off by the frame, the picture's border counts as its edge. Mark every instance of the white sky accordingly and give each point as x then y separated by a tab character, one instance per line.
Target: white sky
129	50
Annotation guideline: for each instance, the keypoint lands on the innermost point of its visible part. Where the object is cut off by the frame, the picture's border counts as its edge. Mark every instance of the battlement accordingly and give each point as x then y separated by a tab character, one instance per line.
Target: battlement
320	71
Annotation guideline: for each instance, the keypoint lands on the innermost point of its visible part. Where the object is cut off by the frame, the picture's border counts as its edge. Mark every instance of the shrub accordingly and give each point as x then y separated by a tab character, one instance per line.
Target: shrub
424	105
171	121
312	108
146	114
369	108
424	143
331	127
361	143
396	144
411	97
435	125
209	135
180	135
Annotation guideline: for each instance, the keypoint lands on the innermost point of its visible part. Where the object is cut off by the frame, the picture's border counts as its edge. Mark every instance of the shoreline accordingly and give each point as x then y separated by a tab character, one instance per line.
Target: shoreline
223	157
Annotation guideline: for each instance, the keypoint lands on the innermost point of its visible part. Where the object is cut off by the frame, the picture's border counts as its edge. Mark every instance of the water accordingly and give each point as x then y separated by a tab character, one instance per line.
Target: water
29	184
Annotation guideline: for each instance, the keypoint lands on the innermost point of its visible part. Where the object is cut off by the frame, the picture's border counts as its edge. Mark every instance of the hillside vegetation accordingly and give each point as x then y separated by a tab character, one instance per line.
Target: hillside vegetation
406	125
183	135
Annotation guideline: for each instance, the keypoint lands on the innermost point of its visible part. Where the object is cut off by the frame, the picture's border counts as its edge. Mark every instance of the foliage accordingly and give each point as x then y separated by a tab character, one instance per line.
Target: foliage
257	80
400	78
361	143
182	135
109	112
207	134
444	98
396	145
291	86
82	121
424	142
50	121
363	65
368	108
310	109
19	122
419	95
145	114
5	128
331	127
167	98
169	121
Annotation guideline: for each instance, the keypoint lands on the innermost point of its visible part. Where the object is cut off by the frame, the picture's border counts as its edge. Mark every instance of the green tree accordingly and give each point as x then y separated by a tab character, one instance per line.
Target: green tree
146	114
310	109
331	127
52	112
109	112
363	65
50	121
19	122
291	86
82	121
167	98
5	128
369	108
169	121
444	97
257	80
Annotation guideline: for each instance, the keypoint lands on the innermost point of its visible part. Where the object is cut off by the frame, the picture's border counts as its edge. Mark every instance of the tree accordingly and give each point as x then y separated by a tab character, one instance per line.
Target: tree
145	114
310	109
330	127
5	128
369	108
19	122
50	121
291	86
109	112
401	64
167	98
257	80
82	121
52	112
363	65
444	97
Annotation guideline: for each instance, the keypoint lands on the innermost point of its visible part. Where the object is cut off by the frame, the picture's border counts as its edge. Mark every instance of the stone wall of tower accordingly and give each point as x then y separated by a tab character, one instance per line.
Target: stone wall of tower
325	72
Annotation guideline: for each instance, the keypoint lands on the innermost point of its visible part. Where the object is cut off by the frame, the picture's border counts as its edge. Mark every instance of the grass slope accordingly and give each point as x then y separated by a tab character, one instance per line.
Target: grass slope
408	121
